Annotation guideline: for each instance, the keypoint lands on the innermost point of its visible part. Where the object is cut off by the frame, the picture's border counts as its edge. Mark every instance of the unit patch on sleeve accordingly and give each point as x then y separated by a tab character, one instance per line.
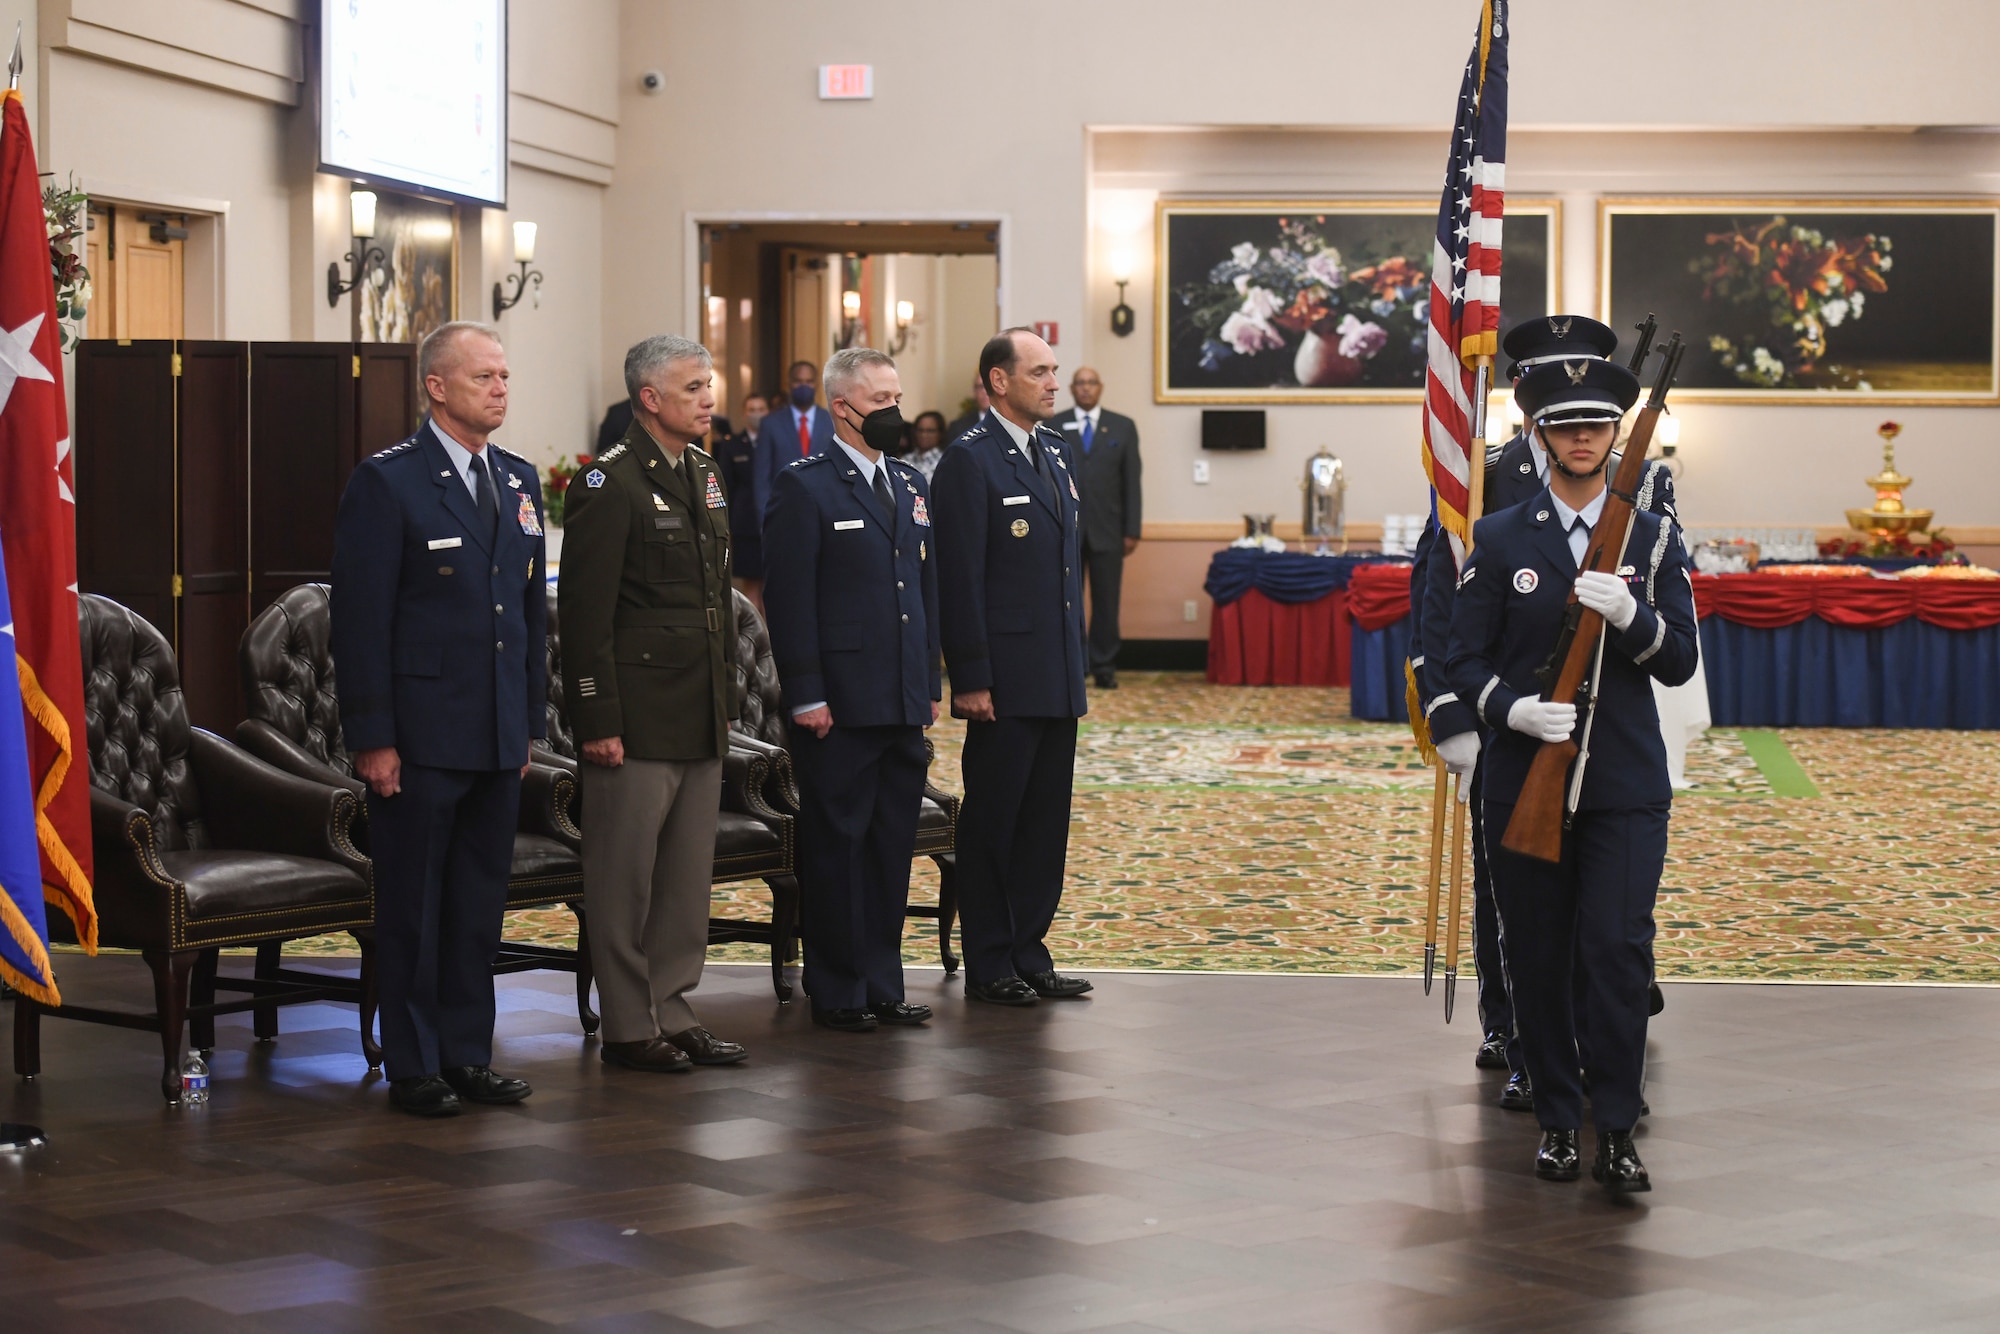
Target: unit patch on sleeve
594	478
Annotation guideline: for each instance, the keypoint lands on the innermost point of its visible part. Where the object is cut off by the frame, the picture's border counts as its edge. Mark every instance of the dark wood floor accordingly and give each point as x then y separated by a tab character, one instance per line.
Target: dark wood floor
1182	1153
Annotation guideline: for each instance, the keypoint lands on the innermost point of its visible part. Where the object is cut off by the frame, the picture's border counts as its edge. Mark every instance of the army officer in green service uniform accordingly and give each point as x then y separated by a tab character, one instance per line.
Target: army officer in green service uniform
649	635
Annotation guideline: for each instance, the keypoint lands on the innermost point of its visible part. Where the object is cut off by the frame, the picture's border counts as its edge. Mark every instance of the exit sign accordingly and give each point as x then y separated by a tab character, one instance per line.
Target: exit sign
846	82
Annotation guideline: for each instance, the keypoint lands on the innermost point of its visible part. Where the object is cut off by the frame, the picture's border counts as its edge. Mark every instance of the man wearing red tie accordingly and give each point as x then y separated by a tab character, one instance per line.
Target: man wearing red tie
790	433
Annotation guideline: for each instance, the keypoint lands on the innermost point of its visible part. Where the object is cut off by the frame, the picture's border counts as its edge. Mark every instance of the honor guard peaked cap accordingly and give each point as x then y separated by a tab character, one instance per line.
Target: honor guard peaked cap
1556	338
1581	389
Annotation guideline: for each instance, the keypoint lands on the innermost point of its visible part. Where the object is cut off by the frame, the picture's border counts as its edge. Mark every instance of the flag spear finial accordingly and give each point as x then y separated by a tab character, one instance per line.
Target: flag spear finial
14	61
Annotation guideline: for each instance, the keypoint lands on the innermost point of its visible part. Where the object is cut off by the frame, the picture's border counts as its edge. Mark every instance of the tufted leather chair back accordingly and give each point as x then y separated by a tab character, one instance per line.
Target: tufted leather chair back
757	670
137	721
560	739
286	658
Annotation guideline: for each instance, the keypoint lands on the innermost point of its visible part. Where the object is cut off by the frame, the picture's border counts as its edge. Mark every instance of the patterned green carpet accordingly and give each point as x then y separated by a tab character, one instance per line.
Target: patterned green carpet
1264	830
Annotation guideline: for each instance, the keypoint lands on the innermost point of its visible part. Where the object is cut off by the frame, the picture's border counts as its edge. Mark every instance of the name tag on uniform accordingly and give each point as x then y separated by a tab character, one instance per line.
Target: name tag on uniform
845	524
444	543
667	521
1015	500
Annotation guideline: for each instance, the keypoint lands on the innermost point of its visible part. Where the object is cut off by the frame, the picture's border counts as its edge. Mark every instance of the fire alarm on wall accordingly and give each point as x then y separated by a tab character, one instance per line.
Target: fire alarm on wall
1046	331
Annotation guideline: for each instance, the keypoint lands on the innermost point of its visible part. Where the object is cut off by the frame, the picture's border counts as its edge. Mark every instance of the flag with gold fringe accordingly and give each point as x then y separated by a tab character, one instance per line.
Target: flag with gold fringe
24	941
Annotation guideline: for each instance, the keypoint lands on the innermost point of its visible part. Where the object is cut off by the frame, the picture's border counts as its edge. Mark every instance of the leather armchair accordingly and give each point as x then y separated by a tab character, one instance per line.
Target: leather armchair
198	845
286	658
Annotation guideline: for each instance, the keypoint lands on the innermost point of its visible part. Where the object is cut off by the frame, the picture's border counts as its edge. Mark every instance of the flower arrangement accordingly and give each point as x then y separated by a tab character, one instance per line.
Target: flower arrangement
1930	548
1340	323
1791	285
66	210
555	486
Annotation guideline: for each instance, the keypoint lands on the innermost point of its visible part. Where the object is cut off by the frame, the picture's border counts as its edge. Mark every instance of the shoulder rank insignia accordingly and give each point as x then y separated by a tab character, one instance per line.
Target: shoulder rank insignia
612	452
713	494
594	478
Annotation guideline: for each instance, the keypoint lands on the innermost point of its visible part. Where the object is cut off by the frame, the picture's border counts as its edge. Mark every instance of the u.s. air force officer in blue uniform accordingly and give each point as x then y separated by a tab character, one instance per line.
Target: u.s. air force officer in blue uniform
1594	909
1515	472
1011	611
851	592
439	617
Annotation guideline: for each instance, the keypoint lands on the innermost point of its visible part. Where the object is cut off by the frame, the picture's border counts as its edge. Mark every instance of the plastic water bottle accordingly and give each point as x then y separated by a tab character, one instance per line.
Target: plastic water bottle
194	1080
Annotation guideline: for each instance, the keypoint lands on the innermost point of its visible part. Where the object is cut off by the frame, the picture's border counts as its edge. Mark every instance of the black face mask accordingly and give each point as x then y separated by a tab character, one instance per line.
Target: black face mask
882	429
803	396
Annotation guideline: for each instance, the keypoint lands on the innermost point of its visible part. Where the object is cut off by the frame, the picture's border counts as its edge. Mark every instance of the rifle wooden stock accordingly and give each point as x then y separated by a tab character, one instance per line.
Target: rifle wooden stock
1536	827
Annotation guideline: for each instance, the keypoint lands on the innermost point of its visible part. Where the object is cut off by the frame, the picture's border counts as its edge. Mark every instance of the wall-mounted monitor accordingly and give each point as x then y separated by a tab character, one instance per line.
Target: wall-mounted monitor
1232	428
413	94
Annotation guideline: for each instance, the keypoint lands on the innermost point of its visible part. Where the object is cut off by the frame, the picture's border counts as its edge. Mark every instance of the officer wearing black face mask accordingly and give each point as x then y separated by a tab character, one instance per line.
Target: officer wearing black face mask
850	590
795	431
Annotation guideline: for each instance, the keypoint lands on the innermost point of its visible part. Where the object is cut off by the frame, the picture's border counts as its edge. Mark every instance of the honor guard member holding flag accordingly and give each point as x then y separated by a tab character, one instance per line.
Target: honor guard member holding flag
1011	611
1594	909
440	614
1515	472
851	590
649	643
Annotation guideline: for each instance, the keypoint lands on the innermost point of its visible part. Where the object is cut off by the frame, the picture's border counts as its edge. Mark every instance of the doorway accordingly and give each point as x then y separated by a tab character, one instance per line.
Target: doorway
137	259
773	293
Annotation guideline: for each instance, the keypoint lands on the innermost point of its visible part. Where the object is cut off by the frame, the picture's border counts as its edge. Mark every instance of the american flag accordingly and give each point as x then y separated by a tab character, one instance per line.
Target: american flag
1465	276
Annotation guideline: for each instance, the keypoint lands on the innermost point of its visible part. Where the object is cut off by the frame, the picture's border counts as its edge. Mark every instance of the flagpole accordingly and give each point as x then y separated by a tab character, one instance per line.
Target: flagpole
1482	381
14	61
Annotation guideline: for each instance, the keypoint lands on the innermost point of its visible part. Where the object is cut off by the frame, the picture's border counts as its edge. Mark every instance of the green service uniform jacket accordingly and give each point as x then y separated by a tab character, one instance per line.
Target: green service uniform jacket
643	596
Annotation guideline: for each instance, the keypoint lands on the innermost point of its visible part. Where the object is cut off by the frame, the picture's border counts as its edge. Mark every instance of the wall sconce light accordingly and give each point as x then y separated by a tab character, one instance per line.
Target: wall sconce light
906	315
524	255
850	319
1122	319
361	226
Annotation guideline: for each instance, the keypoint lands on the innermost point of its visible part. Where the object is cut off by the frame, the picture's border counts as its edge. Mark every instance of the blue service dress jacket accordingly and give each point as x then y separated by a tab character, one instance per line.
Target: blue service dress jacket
1509	611
1010	604
439	621
851	595
1510	480
777	446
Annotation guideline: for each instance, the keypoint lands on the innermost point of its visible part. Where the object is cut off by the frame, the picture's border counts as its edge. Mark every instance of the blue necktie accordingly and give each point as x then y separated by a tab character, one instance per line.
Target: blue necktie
1088	430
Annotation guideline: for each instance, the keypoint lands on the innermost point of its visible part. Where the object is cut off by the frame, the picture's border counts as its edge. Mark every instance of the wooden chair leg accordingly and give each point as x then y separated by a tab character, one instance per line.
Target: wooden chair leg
171	973
264	1019
784	931
201	991
371	1000
27	1037
947	864
585	972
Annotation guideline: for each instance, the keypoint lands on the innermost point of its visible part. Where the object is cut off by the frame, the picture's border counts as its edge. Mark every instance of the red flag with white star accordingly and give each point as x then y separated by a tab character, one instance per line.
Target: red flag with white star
38	531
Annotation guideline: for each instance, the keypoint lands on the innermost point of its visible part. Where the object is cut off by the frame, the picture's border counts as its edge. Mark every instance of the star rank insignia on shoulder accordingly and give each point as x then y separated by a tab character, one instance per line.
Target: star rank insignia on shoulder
393	450
612	453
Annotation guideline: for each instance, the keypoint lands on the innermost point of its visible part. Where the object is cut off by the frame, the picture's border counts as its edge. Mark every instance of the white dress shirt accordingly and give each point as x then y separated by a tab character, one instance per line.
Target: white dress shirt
1579	536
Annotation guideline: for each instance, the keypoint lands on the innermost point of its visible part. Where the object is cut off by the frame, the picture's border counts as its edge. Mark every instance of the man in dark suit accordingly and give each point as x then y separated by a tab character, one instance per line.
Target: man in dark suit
1010	608
798	430
439	618
1590	915
1105	446
981	405
736	454
851	590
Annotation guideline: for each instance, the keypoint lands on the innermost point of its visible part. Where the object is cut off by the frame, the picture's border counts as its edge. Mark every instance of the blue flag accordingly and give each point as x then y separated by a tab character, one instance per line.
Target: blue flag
24	928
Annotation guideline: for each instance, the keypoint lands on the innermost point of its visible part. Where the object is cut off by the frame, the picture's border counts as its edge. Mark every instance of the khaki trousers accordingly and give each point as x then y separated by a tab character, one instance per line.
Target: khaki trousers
648	853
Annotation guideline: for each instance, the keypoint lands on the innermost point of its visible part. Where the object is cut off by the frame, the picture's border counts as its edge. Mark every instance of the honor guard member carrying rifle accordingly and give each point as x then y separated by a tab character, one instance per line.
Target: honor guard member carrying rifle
1010	608
1515	472
649	648
851	589
1594	908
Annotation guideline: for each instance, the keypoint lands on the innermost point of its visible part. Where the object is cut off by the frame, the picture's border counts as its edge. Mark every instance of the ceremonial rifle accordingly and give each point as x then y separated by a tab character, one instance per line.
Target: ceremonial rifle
1542	810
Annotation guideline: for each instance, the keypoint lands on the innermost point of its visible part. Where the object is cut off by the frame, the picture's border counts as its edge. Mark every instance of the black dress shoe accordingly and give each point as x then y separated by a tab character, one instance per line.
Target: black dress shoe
1006	991
1106	681
1656	999
1519	1094
901	1013
1618	1166
426	1095
1557	1159
478	1083
844	1021
1054	986
654	1055
704	1048
1492	1052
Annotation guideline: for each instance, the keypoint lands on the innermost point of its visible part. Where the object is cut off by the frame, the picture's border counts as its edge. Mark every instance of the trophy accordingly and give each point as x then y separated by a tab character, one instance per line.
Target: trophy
1325	486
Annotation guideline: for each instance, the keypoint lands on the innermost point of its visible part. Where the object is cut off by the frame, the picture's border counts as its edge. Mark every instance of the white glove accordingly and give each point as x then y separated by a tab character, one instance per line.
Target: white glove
1542	720
1607	595
1460	753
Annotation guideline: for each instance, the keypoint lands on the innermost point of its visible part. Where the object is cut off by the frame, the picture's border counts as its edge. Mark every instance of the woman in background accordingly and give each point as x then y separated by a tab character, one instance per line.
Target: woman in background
926	443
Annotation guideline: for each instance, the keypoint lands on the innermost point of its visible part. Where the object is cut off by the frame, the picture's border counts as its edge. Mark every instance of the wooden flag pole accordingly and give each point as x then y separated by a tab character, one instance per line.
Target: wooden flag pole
1476	484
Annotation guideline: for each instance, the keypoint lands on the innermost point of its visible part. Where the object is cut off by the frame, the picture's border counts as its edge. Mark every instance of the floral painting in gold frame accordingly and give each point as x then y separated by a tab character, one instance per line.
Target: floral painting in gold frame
1317	300
1812	301
416	289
